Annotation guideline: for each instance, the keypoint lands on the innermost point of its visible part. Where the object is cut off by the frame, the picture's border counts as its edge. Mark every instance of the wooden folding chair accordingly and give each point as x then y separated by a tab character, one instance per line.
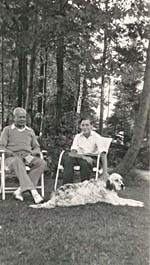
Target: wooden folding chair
4	171
97	169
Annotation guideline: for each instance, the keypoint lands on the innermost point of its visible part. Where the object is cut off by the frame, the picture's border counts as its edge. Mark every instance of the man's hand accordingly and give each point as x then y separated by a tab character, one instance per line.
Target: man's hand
104	175
35	153
74	153
28	159
88	159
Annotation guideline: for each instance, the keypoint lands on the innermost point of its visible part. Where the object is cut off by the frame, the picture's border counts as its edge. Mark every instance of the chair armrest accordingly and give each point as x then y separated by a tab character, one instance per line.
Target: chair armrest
43	154
2	151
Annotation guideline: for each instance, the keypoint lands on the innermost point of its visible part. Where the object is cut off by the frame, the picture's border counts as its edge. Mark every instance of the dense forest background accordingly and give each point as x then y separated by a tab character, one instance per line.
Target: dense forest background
61	59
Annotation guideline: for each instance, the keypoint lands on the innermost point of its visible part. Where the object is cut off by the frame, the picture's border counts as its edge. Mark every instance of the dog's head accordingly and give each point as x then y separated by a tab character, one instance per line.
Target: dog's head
115	182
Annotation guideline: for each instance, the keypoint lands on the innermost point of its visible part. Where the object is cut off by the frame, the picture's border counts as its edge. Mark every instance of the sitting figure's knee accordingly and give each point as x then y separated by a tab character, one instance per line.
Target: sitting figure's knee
67	160
43	164
16	160
40	163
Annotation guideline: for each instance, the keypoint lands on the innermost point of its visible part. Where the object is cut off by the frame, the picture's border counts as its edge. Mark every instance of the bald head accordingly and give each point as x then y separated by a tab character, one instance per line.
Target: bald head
19	117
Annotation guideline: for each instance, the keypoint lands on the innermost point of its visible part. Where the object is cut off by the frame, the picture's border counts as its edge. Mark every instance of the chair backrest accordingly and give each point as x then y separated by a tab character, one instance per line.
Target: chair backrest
106	141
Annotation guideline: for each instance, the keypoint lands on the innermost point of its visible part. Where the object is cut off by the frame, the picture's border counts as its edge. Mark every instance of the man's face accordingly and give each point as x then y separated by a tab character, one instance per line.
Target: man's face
86	127
20	119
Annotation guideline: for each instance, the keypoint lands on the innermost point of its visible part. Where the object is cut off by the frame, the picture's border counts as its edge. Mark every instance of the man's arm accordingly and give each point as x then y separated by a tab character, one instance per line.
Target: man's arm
74	151
4	141
74	147
35	145
104	164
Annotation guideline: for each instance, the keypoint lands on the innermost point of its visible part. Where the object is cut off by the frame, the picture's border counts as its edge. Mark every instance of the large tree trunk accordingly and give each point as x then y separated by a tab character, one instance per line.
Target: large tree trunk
60	62
2	80
60	66
42	89
41	84
60	80
140	122
20	78
102	91
29	90
11	82
22	60
45	81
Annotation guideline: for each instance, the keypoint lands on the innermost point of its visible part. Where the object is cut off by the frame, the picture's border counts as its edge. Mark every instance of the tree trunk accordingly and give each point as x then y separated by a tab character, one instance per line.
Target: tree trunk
41	84
42	90
29	94
140	123
108	100
11	94
25	78
45	81
148	127
102	93
20	79
22	82
60	62
80	98
60	80
102	105
79	103
28	82
2	81
11	82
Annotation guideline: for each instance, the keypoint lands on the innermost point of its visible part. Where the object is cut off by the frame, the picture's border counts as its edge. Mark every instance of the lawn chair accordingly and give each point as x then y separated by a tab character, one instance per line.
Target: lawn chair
4	172
97	170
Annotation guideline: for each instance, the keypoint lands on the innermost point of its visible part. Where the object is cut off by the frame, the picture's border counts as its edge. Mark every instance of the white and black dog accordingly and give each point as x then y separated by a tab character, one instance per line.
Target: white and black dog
91	191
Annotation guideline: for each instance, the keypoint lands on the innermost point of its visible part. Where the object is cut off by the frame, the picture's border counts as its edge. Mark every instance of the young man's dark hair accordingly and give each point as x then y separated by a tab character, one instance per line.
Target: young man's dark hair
83	118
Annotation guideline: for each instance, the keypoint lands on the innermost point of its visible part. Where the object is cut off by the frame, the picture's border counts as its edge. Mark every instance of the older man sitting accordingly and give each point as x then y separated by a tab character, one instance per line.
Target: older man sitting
22	148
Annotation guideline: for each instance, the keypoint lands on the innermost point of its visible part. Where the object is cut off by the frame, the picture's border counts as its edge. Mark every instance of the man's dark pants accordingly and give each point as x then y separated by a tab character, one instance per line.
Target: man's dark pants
69	162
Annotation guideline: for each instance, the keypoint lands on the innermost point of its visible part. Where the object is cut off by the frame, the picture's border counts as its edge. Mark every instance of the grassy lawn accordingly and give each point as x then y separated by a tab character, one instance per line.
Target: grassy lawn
98	234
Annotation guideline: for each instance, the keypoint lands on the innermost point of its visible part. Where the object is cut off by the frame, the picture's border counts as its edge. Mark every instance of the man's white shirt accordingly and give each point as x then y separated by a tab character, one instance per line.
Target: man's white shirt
94	144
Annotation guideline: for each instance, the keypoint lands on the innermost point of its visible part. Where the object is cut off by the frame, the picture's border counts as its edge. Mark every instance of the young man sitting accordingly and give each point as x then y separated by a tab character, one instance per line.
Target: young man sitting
84	150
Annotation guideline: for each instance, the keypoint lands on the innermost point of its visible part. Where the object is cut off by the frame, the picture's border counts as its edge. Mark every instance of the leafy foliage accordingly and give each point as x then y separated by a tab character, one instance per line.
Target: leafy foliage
50	49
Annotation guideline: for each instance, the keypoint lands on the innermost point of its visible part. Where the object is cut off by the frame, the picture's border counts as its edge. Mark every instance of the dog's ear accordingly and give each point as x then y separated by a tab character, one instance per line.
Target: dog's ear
109	185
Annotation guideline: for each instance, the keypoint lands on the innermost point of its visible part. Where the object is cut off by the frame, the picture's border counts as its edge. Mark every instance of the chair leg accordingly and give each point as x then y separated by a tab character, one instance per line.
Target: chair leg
97	166
57	173
3	176
42	185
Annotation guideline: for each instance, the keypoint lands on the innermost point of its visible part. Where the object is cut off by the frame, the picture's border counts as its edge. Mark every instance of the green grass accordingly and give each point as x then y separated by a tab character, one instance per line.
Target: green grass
99	234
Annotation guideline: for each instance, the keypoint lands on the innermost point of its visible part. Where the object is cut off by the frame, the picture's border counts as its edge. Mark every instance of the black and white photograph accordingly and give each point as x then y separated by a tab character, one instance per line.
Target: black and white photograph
75	132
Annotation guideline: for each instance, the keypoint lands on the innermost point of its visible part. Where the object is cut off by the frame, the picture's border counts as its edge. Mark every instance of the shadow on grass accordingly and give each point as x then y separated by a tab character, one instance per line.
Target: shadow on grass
99	234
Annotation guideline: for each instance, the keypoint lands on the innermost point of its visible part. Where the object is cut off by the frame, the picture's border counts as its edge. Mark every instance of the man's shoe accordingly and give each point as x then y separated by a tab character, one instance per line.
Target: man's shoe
18	195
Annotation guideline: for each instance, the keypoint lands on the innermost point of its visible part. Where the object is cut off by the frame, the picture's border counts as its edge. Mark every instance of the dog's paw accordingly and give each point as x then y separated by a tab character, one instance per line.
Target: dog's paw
136	204
140	204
